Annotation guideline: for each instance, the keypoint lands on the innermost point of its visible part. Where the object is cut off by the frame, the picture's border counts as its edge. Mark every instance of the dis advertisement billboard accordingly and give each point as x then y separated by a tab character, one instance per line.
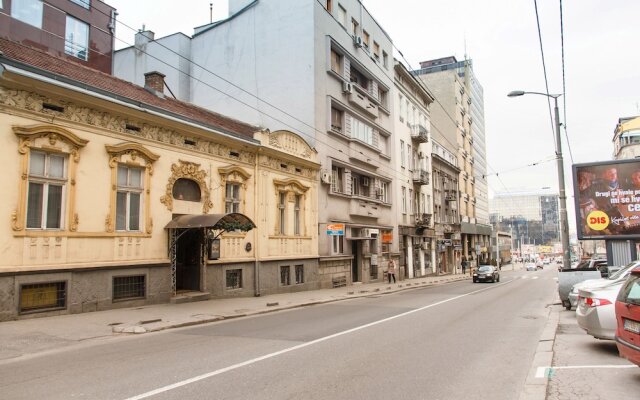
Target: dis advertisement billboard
607	196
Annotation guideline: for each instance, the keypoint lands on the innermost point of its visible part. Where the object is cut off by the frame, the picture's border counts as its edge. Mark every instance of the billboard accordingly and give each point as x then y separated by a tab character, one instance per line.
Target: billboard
607	199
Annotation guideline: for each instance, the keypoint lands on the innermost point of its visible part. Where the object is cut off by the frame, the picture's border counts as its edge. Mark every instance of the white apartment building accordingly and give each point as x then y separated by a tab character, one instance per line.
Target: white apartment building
321	69
413	173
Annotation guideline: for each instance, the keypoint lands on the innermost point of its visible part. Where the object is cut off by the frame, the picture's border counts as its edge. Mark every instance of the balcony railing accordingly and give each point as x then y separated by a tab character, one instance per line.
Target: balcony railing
420	133
421	177
423	219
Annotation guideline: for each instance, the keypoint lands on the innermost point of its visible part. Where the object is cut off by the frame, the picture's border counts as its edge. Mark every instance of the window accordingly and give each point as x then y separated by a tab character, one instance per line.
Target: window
342	15
296	215
282	197
385	59
82	3
27	11
329	5
337	179
401	114
299	274
285	275
187	190
410	156
384	192
128	287
362	131
336	62
411	209
337	244
365	39
129	198
336	120
233	278
404	200
43	296
354	27
402	162
376	50
232	198
76	38
383	97
47	183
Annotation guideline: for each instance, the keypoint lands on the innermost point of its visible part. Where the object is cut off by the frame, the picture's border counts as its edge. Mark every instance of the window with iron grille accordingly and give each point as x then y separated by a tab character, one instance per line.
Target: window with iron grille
43	296
299	274
129	287
234	278
285	275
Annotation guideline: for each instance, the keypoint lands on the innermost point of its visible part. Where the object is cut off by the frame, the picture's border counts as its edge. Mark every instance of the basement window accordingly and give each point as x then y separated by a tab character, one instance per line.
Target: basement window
52	107
129	287
132	128
39	297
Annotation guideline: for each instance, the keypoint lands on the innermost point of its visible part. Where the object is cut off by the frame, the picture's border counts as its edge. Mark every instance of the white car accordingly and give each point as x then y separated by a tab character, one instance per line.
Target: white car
619	275
530	267
596	312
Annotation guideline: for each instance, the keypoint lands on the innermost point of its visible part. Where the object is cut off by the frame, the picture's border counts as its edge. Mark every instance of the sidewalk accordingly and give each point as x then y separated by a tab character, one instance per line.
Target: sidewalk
31	336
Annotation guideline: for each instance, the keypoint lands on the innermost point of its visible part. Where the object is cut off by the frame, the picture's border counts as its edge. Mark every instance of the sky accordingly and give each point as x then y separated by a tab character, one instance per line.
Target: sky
601	75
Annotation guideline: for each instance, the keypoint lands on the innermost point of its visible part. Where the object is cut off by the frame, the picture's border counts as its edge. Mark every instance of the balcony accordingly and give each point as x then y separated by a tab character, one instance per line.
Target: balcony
361	101
423	219
421	177
363	208
420	134
450	197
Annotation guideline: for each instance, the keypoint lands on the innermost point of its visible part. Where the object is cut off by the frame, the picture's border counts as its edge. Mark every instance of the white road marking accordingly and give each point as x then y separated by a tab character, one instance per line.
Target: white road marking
535	277
298	347
545	372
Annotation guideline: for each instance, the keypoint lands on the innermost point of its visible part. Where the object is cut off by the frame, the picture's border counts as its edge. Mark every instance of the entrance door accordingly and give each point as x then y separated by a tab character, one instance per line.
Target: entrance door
189	260
355	264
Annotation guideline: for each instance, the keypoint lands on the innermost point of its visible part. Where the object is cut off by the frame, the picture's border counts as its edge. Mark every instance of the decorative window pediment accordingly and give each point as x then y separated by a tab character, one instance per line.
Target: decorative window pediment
233	173
192	171
290	185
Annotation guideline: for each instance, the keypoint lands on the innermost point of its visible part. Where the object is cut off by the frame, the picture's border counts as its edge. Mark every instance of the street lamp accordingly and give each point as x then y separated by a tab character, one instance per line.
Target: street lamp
564	224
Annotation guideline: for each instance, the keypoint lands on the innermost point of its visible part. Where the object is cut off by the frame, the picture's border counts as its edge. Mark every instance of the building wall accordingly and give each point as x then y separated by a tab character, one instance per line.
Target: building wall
50	34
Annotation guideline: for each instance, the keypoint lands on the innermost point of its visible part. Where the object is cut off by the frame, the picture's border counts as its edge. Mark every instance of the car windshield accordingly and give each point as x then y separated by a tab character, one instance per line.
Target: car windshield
623	270
484	268
583	264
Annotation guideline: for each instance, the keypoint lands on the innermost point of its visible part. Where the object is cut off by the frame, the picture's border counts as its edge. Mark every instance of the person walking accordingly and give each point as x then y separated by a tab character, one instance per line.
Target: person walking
464	265
391	271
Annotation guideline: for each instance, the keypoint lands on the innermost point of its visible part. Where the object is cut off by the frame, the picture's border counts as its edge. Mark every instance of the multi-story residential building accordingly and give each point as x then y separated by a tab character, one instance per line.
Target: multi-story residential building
626	138
81	31
118	196
322	69
446	196
411	133
459	116
532	217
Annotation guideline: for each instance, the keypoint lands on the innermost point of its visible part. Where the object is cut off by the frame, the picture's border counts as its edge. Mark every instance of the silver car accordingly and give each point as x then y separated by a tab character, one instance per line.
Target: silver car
619	275
596	312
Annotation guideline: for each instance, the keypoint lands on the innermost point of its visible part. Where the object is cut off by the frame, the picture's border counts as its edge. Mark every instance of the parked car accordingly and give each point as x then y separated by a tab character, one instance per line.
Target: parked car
546	261
568	277
628	318
530	267
596	311
486	273
620	275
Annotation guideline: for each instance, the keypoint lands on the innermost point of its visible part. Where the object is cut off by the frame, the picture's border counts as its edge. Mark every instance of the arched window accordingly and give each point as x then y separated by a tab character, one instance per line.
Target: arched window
187	190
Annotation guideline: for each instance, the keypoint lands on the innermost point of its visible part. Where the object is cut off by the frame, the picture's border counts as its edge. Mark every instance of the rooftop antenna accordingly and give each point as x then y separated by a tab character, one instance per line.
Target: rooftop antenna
210	12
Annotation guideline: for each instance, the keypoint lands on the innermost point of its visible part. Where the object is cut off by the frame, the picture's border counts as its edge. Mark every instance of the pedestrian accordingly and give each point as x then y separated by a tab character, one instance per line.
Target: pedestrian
464	265
391	271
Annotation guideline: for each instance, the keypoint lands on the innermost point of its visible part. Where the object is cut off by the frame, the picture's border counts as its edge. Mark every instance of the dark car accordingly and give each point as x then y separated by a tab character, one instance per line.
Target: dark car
628	318
486	273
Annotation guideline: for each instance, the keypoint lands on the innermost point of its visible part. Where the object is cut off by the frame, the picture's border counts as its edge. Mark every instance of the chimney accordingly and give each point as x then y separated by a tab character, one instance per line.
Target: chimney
143	37
154	82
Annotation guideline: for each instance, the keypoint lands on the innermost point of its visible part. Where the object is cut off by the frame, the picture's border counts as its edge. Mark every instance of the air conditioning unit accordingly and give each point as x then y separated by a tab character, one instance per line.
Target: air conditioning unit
364	181
357	40
347	87
326	177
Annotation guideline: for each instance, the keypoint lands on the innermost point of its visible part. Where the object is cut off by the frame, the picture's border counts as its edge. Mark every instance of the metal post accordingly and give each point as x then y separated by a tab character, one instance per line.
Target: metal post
564	224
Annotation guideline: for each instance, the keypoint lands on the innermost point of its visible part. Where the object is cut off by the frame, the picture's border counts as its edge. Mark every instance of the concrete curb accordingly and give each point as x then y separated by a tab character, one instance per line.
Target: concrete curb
141	328
535	387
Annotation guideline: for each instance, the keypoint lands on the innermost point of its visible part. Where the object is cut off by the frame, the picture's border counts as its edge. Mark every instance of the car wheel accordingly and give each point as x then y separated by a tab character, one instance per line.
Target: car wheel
493	280
475	281
567	305
498	278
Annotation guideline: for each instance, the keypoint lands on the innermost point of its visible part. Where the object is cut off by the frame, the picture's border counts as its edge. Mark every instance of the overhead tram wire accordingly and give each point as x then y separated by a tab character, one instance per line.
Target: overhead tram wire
544	67
564	90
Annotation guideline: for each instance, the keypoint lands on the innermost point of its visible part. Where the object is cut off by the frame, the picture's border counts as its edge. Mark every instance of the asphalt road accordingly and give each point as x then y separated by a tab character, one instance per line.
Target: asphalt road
455	341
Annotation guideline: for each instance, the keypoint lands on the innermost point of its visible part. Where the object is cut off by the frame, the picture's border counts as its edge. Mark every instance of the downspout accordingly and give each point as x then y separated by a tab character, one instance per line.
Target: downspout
256	209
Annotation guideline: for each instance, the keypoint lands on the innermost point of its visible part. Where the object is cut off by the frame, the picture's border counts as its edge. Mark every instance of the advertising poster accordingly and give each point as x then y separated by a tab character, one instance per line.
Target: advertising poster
607	196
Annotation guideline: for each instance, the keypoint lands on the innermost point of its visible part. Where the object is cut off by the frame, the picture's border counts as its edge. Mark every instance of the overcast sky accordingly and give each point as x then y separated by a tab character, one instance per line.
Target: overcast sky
501	37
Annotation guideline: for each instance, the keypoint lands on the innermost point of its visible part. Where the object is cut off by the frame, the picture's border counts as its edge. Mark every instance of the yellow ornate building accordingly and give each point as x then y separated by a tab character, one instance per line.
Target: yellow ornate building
116	195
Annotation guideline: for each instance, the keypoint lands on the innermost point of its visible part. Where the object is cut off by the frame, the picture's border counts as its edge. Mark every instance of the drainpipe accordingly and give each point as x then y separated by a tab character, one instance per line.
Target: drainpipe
256	209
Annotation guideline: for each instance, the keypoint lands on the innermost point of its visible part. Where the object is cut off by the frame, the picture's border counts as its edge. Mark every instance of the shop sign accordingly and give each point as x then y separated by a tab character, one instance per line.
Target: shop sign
335	229
387	237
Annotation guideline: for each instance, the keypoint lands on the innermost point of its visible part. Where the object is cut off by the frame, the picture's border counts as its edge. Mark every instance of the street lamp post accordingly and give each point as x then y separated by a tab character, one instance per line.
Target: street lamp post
564	223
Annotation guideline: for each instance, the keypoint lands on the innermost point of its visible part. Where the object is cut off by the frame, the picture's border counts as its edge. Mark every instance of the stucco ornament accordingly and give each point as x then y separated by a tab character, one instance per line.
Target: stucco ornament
188	170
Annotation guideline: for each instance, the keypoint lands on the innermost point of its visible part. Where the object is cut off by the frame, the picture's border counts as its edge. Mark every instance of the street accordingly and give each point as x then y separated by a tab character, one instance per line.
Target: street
411	344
